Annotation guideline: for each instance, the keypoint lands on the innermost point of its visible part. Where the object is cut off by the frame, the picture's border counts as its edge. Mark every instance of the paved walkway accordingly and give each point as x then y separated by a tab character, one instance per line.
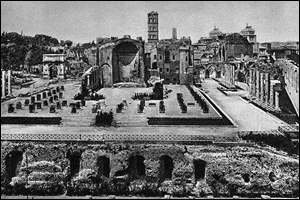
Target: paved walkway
247	116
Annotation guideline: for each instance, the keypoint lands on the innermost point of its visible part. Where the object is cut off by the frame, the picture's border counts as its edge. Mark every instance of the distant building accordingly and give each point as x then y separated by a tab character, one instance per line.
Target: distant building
215	33
234	46
91	54
54	65
174	34
283	51
120	60
249	33
152	27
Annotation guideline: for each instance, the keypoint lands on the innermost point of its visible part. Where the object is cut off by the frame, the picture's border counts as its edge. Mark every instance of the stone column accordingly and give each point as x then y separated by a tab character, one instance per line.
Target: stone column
250	82
9	82
262	94
271	99
232	74
88	80
267	87
276	100
257	84
3	83
253	82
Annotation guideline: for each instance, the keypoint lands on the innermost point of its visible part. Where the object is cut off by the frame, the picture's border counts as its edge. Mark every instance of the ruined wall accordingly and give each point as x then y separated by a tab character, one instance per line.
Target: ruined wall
147	169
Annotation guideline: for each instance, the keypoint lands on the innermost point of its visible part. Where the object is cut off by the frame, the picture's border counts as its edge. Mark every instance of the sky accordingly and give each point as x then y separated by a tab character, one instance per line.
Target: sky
84	21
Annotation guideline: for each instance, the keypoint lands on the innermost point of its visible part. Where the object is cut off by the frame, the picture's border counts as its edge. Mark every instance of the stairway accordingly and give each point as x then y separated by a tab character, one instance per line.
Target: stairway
131	120
77	120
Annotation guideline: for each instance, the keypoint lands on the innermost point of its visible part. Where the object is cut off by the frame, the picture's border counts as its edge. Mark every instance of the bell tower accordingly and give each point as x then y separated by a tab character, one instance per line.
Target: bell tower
152	27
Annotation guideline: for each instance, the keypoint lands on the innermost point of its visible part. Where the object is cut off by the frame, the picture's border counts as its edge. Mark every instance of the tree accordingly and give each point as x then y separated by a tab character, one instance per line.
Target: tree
68	43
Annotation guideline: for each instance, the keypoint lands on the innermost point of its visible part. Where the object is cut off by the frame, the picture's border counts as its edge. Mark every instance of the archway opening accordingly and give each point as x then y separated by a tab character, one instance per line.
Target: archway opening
13	163
154	65
125	62
272	177
75	163
136	166
53	71
103	166
207	73
246	178
166	167
199	166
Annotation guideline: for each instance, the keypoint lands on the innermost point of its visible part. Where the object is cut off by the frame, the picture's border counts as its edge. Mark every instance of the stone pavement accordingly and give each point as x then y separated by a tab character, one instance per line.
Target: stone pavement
247	116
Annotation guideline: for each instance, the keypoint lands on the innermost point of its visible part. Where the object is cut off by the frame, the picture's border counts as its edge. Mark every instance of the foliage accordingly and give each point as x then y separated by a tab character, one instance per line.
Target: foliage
17	49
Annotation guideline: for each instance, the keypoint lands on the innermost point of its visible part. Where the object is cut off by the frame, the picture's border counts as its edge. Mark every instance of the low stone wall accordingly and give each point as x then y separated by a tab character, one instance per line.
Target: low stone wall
185	121
31	120
55	168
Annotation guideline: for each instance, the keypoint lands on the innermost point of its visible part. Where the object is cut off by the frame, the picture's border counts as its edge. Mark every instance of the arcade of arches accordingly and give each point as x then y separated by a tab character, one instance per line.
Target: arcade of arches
135	170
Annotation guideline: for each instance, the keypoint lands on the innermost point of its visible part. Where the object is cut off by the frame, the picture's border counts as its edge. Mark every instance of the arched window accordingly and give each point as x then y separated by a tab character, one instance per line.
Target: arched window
166	167
167	56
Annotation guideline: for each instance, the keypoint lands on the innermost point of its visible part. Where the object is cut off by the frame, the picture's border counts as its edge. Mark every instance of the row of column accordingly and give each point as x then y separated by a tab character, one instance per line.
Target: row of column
263	88
6	83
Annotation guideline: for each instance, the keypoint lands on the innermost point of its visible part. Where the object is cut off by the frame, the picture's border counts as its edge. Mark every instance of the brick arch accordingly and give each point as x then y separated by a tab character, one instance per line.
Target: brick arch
74	157
166	166
13	162
103	163
106	75
52	72
199	169
136	166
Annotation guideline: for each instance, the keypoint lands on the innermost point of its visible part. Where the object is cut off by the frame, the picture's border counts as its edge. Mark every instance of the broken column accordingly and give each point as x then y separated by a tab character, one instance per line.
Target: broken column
52	109
38	105
58	105
73	109
51	99
11	108
45	103
38	97
64	103
60	95
19	105
32	98
27	102
49	94
31	108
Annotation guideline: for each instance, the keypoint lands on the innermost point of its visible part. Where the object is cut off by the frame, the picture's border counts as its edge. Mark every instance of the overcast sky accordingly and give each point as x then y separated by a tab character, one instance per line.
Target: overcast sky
85	21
